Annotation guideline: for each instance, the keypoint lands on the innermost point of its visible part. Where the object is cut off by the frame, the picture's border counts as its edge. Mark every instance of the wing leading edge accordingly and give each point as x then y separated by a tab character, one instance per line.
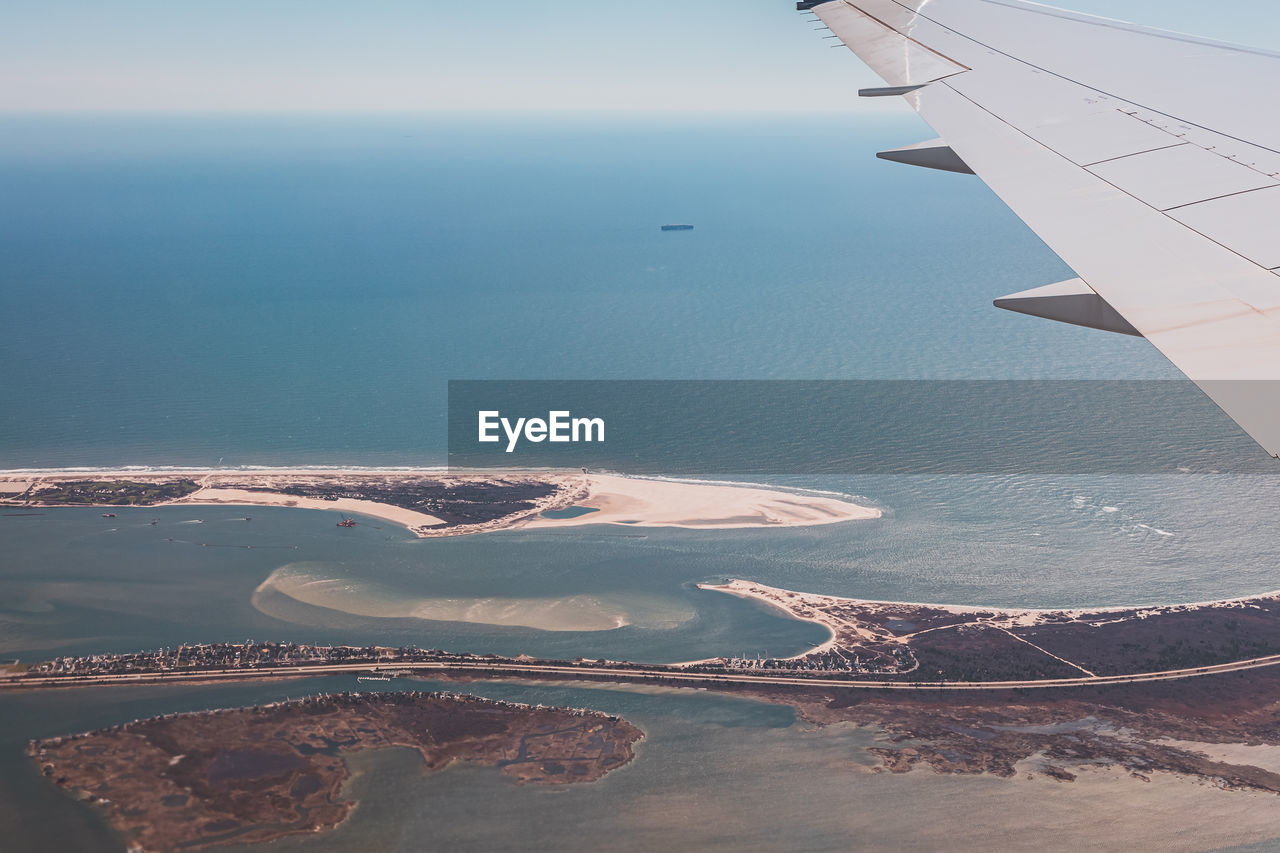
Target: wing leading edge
1140	157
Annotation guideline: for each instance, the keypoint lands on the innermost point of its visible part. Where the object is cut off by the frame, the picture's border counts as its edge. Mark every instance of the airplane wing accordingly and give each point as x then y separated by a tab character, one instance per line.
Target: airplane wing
1148	161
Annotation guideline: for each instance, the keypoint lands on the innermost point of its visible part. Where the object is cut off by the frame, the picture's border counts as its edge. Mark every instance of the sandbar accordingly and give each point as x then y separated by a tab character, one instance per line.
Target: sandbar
643	502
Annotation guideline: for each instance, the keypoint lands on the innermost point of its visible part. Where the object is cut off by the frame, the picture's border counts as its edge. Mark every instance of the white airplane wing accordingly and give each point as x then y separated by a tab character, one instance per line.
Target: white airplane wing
1149	161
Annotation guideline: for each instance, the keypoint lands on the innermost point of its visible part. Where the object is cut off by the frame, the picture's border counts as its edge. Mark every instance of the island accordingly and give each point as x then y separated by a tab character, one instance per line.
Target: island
1189	689
433	503
1219	729
1184	688
960	645
189	781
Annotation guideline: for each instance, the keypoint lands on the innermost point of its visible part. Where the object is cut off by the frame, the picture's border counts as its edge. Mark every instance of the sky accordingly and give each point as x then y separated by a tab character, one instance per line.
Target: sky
380	56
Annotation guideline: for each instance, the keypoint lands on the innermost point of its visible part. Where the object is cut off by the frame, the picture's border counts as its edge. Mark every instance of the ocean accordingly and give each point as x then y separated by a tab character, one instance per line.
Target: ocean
270	291
234	291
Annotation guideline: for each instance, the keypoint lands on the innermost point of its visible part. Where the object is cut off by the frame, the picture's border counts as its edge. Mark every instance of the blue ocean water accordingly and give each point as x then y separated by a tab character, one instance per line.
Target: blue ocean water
277	291
237	291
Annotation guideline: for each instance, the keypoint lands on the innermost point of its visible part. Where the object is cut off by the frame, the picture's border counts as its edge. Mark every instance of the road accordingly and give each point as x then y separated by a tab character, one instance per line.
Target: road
636	673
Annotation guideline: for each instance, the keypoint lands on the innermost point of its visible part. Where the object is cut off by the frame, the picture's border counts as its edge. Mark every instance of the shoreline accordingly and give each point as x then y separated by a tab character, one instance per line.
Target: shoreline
770	595
145	776
704	505
964	643
606	498
813	617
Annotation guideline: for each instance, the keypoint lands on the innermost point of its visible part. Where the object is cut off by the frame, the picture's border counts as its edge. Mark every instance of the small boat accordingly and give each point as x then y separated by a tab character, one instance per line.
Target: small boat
677	227
108	515
347	522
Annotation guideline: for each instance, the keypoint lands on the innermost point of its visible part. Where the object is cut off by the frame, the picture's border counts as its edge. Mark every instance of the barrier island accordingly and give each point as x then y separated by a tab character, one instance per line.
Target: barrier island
434	503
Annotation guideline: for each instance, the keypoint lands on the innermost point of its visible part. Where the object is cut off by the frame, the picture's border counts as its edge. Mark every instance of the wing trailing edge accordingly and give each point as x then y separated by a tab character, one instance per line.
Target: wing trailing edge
1136	155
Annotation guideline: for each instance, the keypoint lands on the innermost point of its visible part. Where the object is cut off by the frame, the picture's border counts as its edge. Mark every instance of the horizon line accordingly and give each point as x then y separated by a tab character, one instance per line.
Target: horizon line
878	111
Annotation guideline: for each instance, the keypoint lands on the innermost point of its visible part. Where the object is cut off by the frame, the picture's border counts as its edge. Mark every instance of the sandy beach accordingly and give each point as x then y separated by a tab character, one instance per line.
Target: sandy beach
798	605
595	498
639	502
812	605
347	506
886	633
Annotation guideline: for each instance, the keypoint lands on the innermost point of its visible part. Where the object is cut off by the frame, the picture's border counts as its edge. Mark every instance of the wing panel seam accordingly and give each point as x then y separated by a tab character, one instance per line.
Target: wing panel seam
1109	94
1118	189
1134	154
1128	27
903	35
1217	197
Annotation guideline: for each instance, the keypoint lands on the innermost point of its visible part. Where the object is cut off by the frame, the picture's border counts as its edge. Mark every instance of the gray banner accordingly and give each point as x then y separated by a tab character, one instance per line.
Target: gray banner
696	428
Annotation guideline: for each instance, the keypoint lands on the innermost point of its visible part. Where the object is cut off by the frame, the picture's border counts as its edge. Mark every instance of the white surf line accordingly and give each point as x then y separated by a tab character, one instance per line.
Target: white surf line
1045	651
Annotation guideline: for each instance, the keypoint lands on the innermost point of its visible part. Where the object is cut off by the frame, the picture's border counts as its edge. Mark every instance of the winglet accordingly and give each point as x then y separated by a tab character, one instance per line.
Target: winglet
887	91
933	154
1071	302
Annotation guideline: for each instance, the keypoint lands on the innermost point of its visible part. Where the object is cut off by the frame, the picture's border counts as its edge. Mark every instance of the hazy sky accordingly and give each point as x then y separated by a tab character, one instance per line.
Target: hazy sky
414	55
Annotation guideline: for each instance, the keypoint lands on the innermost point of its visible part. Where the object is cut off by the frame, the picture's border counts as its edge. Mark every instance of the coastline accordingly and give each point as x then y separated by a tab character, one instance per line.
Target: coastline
603	498
957	643
784	603
787	600
149	777
645	502
213	496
